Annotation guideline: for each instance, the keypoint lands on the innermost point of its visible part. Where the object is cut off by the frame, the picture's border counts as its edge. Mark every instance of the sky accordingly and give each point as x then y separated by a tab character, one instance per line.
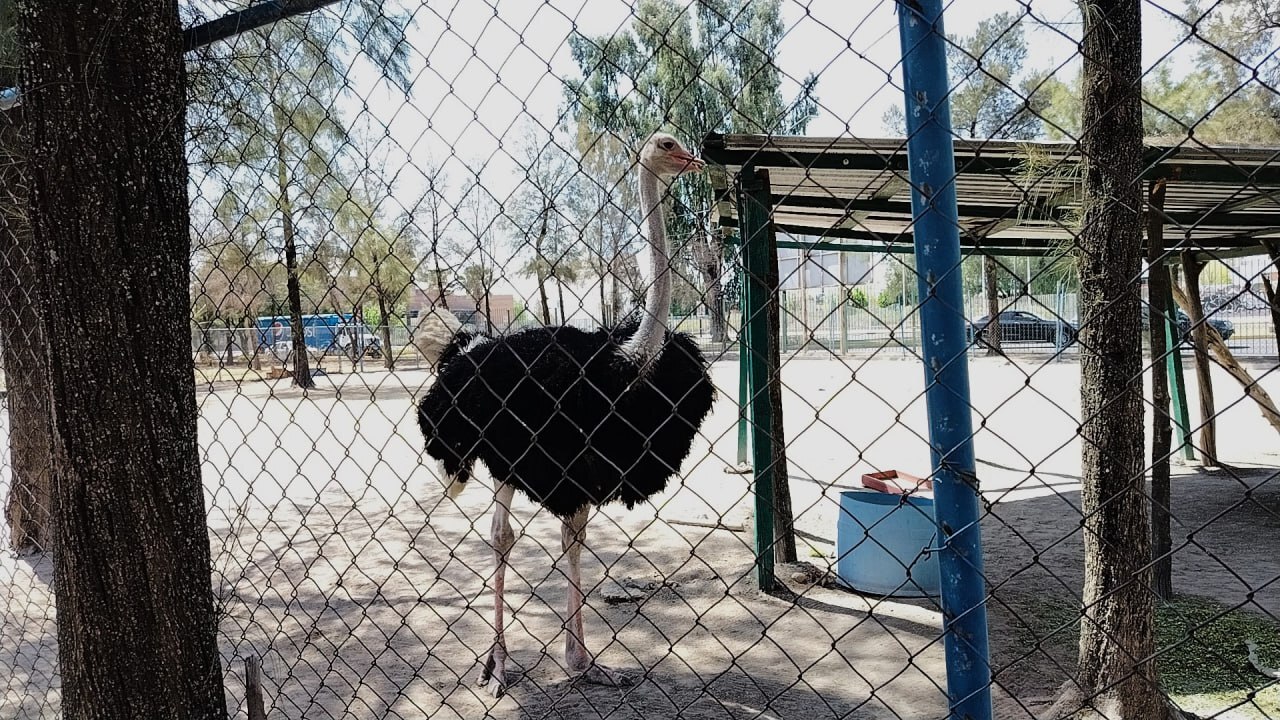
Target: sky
483	68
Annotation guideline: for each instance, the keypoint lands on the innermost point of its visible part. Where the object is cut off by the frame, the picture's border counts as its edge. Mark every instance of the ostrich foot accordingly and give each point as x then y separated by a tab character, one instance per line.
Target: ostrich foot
597	674
493	677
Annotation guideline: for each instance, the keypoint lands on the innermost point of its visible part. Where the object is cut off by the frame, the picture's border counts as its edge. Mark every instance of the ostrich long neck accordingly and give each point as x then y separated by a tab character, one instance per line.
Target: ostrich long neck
645	345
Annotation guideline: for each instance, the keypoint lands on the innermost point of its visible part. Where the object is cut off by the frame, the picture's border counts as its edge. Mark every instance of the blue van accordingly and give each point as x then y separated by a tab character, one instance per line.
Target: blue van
325	334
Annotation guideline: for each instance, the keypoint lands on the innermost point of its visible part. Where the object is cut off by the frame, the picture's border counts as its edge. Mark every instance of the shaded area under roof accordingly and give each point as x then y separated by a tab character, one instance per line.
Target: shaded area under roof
1014	197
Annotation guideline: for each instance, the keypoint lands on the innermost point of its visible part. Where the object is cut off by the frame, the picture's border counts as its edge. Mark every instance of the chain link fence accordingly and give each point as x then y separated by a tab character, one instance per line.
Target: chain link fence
391	203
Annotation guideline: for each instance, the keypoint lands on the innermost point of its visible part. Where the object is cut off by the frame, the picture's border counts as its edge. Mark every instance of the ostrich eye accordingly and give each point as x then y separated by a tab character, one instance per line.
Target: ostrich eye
667	145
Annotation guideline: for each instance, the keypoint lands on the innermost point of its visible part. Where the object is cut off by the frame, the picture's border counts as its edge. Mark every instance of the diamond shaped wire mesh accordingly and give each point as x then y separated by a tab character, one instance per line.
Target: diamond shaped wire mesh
384	193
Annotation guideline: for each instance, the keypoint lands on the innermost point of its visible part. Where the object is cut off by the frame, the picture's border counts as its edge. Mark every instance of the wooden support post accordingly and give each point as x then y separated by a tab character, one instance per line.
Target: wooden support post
1158	314
253	688
1222	355
1272	292
1191	268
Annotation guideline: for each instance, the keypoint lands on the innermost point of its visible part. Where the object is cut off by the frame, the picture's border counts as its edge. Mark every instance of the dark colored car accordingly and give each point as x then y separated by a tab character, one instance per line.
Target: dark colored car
1224	327
1022	326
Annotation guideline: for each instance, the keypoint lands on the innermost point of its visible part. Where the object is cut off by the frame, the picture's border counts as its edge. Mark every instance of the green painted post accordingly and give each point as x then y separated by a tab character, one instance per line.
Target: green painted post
1177	385
744	376
753	209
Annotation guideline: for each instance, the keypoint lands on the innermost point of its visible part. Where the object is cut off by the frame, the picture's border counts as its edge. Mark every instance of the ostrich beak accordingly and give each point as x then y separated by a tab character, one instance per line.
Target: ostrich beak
691	164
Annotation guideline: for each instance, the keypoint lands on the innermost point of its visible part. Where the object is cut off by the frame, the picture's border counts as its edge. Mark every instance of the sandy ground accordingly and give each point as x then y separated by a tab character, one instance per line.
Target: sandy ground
338	563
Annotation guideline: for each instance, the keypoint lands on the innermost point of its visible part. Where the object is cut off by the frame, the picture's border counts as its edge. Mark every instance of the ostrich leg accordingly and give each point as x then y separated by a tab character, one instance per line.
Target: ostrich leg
494	675
573	536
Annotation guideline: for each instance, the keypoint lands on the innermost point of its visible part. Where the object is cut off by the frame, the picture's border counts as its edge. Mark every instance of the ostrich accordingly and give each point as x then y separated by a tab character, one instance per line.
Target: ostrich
573	418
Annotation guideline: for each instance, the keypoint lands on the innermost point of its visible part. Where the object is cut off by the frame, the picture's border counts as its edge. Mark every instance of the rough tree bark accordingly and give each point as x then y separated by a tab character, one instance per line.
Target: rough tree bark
708	254
991	334
1158	311
29	507
1116	678
105	123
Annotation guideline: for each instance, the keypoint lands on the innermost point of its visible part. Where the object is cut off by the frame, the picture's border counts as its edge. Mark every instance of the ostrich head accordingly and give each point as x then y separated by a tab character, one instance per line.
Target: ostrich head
664	156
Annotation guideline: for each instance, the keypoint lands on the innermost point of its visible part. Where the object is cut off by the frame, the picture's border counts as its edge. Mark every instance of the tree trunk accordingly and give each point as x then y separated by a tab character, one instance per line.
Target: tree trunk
1200	344
539	265
488	309
1158	312
137	632
709	254
251	344
29	507
388	361
1117	633
560	295
441	297
601	273
990	281
301	376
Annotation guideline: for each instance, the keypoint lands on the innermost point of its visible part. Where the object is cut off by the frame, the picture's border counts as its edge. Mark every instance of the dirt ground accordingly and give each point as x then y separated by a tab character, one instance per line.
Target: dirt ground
337	562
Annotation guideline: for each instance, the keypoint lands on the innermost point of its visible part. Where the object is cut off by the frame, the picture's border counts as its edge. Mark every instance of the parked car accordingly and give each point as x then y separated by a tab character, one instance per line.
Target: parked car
366	342
1224	327
1022	326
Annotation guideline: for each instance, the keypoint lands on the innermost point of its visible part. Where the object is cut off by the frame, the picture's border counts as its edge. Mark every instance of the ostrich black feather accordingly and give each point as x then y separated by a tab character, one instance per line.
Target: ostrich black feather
564	416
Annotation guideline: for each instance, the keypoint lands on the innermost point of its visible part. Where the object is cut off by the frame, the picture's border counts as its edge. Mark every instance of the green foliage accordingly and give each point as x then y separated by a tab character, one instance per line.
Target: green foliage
901	278
379	256
994	97
267	140
477	280
858	298
689	69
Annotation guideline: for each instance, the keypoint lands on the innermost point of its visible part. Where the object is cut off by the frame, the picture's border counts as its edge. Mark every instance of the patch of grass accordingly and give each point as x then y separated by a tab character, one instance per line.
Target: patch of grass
1204	660
1204	665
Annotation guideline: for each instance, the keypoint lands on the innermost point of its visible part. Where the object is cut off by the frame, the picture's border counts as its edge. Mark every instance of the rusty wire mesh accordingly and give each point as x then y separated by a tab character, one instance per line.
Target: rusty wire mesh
404	168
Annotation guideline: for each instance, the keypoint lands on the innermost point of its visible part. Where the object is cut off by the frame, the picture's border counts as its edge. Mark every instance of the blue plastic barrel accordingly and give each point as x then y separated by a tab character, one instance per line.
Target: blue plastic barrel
883	544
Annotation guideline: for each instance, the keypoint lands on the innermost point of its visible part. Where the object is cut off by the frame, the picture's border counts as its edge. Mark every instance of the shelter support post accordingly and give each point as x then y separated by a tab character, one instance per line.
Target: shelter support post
1191	268
931	160
753	207
742	464
744	390
1177	383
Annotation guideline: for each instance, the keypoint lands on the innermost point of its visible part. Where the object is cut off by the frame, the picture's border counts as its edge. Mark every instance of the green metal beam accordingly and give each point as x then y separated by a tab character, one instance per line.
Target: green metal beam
754	208
898	248
1181	413
1161	163
1041	212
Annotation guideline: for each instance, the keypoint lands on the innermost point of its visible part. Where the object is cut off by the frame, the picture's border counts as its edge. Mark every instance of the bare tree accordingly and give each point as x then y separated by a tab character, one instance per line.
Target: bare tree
538	213
479	246
610	235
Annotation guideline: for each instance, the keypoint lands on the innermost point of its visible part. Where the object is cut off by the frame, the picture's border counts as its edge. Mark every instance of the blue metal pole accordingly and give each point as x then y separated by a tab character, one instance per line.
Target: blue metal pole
931	160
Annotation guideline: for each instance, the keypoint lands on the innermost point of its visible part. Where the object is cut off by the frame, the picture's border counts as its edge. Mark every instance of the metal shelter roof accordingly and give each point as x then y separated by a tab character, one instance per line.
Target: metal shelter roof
1014	197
